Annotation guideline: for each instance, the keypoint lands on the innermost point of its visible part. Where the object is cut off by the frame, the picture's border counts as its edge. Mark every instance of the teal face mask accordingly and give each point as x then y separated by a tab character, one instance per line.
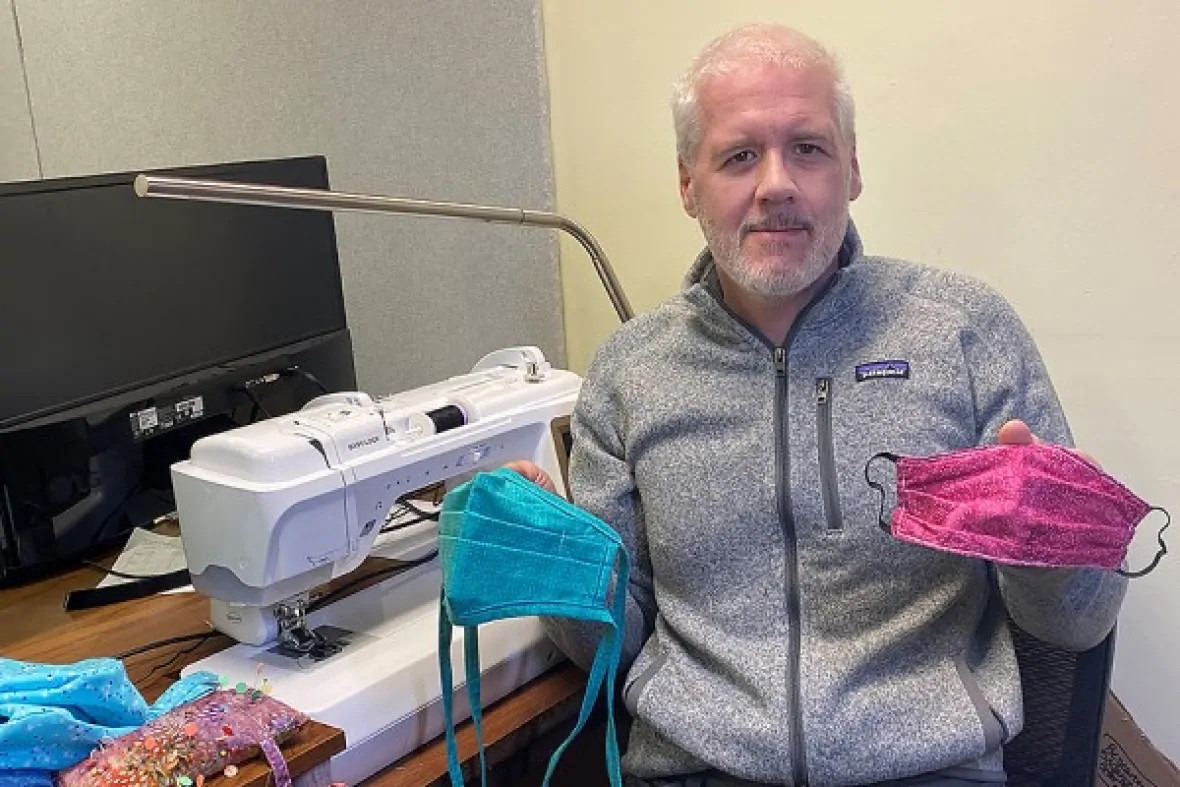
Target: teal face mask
508	548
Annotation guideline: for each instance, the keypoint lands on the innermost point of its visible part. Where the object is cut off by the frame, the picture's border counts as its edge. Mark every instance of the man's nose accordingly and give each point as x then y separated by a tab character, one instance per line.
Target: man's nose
775	182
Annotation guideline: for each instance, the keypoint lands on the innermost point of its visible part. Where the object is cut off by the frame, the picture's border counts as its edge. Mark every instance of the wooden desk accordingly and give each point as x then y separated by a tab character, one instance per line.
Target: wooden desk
34	627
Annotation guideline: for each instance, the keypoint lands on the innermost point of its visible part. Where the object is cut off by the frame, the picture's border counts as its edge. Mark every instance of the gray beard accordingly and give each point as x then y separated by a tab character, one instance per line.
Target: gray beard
776	281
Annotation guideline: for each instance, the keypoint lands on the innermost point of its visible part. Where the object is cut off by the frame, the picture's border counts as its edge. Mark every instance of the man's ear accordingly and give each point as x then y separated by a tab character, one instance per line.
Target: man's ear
686	196
854	182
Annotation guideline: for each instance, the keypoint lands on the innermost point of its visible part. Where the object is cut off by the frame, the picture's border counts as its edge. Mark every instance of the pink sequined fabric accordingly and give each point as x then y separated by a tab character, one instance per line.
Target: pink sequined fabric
1030	505
192	742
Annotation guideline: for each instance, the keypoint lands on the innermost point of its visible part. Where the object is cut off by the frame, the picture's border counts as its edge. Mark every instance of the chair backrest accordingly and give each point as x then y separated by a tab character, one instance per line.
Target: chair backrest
1064	699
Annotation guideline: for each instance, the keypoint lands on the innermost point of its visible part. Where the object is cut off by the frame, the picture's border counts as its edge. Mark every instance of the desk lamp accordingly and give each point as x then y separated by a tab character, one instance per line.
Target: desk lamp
318	199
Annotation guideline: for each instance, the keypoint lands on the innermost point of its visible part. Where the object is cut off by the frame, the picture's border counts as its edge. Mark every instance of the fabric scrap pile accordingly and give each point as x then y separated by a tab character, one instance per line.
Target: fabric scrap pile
86	725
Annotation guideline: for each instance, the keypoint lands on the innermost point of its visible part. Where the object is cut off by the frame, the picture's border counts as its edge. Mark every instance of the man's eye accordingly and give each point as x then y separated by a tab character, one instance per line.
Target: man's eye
807	149
742	157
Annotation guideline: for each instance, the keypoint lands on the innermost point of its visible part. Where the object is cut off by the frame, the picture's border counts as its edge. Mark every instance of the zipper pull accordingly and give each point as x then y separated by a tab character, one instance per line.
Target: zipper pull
823	389
780	361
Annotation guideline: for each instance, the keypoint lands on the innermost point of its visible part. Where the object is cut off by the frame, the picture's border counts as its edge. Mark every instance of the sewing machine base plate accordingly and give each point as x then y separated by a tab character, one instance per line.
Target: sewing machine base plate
383	687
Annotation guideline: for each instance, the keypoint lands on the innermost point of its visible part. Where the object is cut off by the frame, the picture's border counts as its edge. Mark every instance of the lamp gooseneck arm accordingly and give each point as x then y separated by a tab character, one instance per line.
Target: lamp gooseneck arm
319	199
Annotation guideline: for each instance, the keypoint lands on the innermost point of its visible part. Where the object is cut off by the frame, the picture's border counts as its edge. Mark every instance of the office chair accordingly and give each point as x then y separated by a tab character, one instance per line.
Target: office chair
1064	699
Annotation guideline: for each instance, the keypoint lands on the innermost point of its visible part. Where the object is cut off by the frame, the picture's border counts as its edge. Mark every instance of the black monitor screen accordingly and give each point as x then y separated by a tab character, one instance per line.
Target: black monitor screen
102	292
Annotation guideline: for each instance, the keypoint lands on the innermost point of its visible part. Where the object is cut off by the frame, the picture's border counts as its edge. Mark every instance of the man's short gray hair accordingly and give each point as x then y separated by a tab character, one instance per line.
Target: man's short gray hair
762	43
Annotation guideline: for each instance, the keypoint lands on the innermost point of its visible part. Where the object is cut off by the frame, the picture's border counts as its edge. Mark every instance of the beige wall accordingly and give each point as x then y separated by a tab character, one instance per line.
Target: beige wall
1032	144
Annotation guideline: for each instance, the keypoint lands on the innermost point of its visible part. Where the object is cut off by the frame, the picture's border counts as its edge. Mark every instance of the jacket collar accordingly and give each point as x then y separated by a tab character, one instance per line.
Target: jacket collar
702	287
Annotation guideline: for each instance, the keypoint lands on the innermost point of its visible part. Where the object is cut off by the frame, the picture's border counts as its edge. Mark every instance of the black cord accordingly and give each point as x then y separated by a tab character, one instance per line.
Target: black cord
311	378
403	524
164	495
114	573
162	643
119	509
403	507
258	406
402	565
200	638
421	512
182	652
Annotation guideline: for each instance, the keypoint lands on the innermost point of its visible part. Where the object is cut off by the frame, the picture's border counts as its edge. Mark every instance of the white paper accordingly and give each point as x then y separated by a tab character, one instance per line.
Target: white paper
409	541
147	554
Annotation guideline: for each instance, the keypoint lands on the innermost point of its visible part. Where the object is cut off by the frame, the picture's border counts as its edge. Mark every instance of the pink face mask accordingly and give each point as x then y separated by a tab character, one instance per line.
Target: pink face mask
1026	505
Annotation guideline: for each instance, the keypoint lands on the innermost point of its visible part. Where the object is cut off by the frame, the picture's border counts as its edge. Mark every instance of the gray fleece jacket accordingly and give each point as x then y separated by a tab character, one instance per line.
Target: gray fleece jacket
774	632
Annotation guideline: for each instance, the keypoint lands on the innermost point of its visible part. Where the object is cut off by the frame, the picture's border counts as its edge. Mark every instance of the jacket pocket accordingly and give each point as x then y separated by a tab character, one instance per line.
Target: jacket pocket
639	679
995	732
827	455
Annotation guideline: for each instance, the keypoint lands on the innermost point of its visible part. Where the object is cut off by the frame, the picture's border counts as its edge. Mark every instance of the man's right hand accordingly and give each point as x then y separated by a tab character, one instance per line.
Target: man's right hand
534	473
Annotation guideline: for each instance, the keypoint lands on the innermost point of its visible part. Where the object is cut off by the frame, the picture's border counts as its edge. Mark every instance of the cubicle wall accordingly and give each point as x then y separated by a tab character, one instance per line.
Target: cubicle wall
436	99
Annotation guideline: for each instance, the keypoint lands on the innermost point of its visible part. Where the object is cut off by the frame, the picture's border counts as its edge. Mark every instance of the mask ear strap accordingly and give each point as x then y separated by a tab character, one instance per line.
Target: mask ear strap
444	653
1163	548
880	489
604	669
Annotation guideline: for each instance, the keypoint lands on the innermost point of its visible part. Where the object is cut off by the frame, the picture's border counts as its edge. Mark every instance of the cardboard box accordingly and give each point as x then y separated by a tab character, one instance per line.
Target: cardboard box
1126	757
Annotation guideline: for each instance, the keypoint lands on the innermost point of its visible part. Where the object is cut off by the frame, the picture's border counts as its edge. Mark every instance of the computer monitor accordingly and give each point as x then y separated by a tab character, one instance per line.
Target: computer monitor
131	327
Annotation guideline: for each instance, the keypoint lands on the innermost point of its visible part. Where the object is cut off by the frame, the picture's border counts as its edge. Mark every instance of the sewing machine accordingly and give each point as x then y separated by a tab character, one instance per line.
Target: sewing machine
273	510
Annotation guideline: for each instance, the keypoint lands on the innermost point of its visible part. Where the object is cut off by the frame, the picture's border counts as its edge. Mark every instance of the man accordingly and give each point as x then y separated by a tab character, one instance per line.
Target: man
775	634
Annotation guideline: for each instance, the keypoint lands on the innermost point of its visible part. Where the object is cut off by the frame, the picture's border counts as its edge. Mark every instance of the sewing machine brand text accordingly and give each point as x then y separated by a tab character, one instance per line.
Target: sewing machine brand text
363	443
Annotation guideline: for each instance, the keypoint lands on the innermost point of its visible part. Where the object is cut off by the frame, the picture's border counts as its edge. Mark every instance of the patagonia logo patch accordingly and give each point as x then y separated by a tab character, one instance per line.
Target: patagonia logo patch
883	370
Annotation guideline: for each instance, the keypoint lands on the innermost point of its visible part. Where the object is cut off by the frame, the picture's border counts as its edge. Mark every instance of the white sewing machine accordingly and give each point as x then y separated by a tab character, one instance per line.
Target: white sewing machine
272	510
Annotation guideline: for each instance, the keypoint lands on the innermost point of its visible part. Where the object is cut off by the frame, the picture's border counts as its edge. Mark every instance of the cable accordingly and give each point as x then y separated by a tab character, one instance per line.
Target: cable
437	490
258	406
403	507
182	652
120	509
422	513
402	565
115	573
393	527
171	516
24	70
200	638
161	643
165	495
311	378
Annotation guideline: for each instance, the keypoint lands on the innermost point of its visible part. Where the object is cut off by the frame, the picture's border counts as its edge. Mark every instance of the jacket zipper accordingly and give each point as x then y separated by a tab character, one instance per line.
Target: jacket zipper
787	517
827	454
